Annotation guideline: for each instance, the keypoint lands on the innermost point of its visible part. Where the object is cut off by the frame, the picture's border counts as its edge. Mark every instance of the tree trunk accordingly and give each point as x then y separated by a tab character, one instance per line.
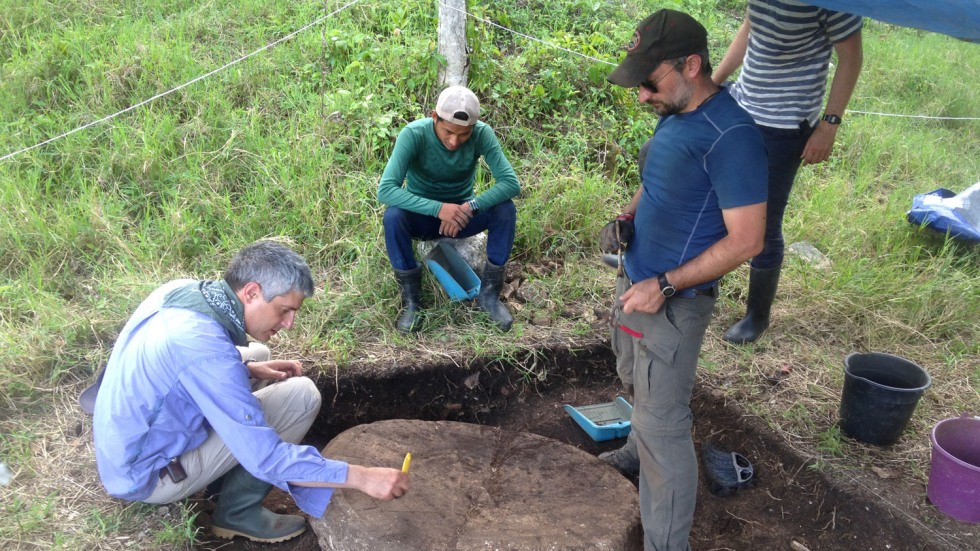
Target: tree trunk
452	42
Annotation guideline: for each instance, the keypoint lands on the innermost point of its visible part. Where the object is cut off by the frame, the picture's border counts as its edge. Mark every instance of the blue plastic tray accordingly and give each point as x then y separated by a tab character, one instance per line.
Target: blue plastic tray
603	421
453	273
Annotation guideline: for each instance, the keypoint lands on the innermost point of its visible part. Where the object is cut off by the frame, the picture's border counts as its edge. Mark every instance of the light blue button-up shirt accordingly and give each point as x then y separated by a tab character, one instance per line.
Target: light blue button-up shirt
173	375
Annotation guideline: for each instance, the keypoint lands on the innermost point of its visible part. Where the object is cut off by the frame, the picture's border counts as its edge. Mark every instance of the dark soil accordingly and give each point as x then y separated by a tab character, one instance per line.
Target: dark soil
792	501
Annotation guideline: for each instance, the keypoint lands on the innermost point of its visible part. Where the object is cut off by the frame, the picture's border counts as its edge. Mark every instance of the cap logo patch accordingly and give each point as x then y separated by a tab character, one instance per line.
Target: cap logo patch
634	43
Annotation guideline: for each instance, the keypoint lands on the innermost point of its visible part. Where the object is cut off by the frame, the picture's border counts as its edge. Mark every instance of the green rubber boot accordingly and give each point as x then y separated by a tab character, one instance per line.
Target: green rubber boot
240	511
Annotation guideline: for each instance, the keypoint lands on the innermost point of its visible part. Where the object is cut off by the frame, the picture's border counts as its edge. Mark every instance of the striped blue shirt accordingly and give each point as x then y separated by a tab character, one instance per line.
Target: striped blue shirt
787	60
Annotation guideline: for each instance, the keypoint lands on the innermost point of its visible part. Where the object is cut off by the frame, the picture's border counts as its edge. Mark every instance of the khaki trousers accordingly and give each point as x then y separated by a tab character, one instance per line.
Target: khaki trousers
662	364
290	406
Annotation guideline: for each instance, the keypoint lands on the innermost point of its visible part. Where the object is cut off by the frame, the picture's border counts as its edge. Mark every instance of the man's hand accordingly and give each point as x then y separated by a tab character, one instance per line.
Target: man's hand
449	229
644	296
611	241
378	482
274	370
820	145
454	218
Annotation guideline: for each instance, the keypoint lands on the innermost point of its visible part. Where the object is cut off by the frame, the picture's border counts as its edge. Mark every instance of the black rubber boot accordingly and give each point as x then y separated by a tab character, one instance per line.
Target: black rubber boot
240	511
762	291
489	299
410	282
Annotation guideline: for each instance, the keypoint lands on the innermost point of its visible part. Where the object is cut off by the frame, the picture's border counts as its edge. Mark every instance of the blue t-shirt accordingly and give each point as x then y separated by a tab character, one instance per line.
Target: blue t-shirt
699	163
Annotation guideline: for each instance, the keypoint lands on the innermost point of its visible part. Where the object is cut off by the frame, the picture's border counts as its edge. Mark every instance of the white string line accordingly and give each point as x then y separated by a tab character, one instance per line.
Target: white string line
838	469
345	6
906	513
184	85
613	64
842	471
852	111
549	44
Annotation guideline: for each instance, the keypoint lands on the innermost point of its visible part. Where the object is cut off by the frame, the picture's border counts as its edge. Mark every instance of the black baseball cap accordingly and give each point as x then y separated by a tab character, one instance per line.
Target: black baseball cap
667	34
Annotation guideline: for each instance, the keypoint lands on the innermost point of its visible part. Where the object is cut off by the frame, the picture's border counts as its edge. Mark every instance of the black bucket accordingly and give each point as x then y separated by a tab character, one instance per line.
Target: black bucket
880	393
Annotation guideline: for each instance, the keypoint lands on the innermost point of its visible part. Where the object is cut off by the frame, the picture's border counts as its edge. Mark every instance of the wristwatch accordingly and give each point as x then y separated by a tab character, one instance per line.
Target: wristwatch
473	206
665	287
831	119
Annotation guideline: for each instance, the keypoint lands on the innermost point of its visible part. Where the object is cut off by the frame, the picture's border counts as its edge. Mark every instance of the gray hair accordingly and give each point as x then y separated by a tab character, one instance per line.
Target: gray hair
275	267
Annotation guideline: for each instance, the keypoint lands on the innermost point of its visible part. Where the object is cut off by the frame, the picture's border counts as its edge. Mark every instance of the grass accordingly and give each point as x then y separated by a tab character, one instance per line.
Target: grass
289	144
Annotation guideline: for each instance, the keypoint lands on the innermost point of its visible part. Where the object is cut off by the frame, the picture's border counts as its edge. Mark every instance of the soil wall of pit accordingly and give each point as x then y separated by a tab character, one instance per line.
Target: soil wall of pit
478	392
791	501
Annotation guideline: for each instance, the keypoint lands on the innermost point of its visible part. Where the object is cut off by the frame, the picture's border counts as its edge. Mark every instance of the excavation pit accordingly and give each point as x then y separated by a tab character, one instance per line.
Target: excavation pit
792	500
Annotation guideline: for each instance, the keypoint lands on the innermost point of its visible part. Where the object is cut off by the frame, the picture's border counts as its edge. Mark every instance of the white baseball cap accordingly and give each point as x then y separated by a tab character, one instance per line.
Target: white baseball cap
458	105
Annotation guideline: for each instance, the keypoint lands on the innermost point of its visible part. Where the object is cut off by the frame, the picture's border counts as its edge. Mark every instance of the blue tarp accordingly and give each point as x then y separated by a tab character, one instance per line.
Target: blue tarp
946	211
959	18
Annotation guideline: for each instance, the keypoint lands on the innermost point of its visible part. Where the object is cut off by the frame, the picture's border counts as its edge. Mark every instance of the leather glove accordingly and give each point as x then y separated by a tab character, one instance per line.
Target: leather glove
608	241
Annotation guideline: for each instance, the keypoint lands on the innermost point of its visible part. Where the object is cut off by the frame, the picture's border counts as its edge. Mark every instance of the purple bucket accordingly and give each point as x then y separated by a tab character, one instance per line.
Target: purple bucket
954	474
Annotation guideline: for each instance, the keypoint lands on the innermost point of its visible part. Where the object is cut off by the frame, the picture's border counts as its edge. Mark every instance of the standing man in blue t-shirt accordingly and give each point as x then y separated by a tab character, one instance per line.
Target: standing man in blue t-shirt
698	214
786	47
428	185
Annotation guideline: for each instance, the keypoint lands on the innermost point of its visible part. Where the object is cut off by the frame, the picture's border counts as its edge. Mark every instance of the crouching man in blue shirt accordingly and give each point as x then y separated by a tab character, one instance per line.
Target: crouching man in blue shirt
176	411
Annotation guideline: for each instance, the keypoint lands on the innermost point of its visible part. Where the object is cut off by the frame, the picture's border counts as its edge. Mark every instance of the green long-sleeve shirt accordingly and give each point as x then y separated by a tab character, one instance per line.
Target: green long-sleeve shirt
433	175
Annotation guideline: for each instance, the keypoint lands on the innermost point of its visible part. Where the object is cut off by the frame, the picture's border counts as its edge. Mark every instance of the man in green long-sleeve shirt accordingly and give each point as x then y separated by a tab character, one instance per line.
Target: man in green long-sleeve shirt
428	187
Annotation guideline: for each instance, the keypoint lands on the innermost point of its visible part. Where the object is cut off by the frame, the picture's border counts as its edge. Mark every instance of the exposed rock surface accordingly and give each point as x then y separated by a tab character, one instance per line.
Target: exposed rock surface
473	249
479	488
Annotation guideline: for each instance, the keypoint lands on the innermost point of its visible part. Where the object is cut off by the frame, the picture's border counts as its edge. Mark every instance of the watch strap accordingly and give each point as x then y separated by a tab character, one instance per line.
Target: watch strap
832	119
666	287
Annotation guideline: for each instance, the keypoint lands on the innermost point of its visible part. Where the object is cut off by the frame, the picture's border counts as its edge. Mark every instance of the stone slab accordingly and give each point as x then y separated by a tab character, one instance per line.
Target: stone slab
473	249
475	487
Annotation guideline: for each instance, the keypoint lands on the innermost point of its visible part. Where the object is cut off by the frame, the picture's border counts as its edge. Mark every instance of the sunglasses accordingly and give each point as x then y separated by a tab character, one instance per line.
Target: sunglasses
652	86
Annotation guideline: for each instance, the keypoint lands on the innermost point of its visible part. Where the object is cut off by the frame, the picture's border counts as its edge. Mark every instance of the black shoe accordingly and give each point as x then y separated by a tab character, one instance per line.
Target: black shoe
624	459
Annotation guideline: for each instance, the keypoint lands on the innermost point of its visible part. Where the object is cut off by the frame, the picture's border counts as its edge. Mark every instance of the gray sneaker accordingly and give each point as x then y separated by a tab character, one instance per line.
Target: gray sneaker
624	461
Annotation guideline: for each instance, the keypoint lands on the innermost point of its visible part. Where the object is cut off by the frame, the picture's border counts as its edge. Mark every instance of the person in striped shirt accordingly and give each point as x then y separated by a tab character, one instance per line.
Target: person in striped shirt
784	48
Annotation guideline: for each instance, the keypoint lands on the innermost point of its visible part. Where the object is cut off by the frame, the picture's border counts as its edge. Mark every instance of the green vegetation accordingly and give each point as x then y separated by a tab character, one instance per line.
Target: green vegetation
290	142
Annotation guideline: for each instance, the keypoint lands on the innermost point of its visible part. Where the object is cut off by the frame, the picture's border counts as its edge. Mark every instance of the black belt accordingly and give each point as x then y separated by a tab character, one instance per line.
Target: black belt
693	293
